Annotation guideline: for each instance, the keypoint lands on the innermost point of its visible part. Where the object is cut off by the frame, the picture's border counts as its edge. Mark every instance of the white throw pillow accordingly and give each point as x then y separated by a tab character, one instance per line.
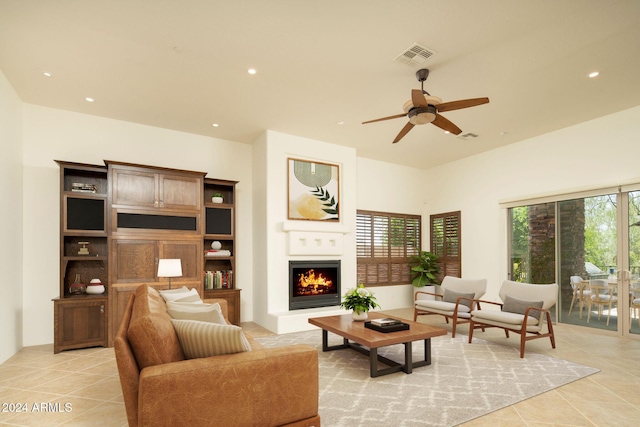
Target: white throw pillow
204	339
203	312
181	294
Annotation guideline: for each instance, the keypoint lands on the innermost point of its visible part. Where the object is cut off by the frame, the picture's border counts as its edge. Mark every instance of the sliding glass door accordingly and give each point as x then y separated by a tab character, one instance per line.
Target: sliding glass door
633	248
579	244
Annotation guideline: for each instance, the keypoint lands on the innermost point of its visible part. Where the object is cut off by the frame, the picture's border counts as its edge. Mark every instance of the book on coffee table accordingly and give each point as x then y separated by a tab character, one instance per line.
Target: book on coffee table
387	321
399	326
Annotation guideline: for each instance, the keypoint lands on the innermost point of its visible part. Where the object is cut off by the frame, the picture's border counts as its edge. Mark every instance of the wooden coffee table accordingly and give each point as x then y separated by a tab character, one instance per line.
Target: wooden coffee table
367	341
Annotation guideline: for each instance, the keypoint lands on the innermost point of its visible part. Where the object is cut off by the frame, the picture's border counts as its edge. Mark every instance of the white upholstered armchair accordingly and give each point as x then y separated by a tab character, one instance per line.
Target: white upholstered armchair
454	303
524	310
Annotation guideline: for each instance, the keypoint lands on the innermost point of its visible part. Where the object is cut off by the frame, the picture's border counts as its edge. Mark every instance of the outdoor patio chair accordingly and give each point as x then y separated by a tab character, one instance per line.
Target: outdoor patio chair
454	302
524	310
602	294
581	292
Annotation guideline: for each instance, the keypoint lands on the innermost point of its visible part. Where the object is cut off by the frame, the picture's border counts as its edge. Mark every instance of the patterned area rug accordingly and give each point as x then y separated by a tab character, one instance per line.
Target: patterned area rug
464	381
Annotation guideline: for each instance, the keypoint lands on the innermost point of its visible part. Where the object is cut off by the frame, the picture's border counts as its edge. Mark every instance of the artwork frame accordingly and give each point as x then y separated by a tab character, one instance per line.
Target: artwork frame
313	191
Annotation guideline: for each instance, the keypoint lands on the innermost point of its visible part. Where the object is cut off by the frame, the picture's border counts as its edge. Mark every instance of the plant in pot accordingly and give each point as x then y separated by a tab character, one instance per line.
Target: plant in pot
217	198
360	301
424	272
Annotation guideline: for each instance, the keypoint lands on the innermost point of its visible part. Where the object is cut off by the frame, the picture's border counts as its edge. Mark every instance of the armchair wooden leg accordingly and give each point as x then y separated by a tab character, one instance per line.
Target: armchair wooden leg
471	328
552	337
415	314
523	339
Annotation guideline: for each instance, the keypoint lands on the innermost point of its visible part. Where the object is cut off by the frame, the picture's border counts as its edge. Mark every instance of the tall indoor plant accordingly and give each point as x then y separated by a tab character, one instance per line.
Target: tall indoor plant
424	269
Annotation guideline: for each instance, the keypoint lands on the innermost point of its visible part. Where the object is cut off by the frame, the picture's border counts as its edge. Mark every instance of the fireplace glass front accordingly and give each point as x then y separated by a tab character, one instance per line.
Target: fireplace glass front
314	284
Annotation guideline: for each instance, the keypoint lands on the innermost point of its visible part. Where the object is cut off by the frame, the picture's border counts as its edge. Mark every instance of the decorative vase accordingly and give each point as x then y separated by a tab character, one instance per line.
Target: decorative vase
95	287
359	316
216	199
77	287
216	245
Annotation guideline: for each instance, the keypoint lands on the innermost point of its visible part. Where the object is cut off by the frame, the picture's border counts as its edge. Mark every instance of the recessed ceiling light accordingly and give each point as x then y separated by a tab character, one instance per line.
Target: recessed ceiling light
215	125
251	70
88	99
340	123
447	132
593	74
47	74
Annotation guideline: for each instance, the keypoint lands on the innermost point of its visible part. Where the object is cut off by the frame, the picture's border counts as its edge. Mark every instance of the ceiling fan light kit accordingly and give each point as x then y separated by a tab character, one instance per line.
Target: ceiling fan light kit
421	109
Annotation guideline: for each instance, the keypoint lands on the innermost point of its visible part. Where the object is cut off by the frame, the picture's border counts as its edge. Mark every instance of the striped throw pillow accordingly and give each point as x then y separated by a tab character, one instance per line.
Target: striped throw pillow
204	339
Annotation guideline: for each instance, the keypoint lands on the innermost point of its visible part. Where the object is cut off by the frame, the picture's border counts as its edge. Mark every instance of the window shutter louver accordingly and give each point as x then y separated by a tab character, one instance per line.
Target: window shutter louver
384	242
445	243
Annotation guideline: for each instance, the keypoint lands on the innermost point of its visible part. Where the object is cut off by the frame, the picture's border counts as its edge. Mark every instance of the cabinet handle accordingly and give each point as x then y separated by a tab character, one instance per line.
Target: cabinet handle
102	308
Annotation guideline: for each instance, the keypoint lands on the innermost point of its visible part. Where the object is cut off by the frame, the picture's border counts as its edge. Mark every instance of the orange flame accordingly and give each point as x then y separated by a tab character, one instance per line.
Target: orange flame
309	282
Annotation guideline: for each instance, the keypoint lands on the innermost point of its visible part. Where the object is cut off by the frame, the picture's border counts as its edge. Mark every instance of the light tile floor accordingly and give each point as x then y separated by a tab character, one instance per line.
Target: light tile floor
82	388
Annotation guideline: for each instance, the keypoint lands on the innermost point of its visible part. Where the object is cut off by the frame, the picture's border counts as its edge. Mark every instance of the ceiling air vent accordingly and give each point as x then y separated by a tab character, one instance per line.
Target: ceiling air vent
414	55
468	135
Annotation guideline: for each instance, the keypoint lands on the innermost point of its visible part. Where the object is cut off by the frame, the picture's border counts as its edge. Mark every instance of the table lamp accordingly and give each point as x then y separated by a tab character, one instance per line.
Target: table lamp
169	268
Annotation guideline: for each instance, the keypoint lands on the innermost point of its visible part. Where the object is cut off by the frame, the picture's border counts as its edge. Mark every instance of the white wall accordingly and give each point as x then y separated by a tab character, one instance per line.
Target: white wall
11	284
387	187
598	153
271	237
55	134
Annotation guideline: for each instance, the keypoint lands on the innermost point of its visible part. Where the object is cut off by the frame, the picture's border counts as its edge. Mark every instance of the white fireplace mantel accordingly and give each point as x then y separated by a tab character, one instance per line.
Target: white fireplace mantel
314	238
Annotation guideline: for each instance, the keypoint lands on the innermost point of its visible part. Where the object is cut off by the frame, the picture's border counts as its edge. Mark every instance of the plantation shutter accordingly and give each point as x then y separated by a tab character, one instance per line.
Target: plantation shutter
445	243
384	244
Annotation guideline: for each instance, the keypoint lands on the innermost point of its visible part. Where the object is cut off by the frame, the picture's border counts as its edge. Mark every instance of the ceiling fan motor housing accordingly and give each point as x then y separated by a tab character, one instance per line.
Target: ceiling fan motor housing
422	115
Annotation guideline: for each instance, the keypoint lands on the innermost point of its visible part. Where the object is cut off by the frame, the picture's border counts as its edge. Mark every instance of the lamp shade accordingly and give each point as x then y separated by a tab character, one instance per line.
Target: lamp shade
169	268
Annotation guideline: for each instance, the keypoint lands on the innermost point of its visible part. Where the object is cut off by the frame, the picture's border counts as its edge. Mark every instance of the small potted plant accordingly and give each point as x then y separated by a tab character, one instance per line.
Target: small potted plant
360	301
217	198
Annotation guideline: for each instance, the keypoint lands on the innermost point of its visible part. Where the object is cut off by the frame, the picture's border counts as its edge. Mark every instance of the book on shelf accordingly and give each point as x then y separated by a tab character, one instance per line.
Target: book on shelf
80	187
221	279
219	252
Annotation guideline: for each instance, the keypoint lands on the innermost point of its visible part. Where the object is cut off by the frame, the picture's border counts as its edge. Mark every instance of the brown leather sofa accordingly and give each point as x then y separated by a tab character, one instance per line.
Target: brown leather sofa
261	387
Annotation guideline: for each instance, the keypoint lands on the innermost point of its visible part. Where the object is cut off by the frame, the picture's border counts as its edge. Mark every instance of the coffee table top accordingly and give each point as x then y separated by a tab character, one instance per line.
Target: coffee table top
346	327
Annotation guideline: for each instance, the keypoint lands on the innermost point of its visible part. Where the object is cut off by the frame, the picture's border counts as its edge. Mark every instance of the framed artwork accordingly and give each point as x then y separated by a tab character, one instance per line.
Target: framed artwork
314	191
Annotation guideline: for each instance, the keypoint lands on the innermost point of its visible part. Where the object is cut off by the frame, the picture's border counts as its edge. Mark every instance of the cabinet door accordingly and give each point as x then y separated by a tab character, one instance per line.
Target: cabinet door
180	192
80	324
135	188
134	260
190	254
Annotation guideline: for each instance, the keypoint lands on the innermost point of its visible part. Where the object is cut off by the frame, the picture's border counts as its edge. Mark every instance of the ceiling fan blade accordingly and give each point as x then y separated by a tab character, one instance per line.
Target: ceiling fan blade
447	125
418	99
397	116
464	103
405	130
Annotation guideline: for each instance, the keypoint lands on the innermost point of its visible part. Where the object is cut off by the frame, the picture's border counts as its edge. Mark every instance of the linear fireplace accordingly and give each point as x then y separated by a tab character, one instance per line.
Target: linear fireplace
314	284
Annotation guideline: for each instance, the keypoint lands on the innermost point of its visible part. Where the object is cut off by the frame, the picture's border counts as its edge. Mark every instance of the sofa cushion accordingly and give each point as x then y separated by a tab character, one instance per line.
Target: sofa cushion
151	334
515	305
203	312
184	294
452	296
204	339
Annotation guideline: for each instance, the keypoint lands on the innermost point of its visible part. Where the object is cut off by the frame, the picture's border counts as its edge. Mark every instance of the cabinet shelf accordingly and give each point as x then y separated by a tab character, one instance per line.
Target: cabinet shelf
218	258
85	258
85	195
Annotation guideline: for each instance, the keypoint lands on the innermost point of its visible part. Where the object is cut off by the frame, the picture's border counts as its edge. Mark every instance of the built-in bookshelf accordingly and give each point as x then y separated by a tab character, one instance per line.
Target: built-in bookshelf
219	242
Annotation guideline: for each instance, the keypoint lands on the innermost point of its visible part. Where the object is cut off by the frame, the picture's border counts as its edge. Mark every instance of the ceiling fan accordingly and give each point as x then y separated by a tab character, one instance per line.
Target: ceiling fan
421	109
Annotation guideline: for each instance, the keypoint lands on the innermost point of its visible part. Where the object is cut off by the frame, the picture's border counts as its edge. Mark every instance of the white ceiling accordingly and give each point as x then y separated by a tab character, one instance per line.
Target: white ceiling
183	65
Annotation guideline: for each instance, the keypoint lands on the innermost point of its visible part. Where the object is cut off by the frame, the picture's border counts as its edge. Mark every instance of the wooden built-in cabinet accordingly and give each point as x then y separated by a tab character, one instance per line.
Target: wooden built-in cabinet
79	323
219	226
141	187
130	216
81	320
